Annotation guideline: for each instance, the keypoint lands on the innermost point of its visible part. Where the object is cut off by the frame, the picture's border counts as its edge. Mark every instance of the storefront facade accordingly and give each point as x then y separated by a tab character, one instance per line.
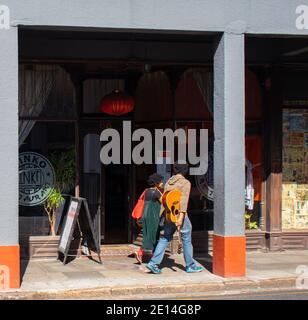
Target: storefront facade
256	113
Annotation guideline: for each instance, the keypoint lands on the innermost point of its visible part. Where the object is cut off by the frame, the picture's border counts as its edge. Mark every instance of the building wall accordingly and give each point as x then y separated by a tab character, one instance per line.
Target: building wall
270	17
245	16
9	138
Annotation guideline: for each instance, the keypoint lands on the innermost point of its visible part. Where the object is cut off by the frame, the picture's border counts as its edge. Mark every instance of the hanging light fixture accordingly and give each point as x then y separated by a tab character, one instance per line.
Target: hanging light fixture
117	103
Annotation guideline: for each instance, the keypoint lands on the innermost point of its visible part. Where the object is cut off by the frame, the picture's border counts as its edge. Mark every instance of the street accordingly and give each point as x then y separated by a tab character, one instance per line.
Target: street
280	295
271	294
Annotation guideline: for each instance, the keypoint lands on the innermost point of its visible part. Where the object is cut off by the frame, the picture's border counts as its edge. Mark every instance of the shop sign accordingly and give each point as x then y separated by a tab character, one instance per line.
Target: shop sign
36	179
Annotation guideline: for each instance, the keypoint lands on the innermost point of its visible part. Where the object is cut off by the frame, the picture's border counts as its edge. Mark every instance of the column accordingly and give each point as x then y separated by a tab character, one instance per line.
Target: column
273	147
9	244
229	243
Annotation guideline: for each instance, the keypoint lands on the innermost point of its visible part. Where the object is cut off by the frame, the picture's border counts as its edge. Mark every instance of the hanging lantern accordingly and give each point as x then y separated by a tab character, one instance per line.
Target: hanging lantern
117	103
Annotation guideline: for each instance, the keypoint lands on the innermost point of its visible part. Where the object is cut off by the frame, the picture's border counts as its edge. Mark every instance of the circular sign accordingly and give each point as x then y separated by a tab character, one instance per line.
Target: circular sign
205	183
36	179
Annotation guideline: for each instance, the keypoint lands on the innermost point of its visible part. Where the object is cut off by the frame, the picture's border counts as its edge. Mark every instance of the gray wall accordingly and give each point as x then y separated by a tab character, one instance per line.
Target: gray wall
251	16
8	137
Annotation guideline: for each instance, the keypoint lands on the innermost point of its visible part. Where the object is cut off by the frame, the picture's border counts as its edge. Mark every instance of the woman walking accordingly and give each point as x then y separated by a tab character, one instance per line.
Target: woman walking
151	215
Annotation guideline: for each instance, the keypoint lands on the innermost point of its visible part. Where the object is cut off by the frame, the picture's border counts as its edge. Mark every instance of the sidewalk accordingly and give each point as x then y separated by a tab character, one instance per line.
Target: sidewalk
122	277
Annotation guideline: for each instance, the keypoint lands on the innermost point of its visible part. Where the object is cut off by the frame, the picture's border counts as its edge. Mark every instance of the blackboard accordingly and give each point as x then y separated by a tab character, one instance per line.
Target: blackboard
78	226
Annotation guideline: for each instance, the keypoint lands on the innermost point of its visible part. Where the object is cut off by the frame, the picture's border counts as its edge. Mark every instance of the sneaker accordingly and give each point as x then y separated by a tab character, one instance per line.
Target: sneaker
194	269
153	268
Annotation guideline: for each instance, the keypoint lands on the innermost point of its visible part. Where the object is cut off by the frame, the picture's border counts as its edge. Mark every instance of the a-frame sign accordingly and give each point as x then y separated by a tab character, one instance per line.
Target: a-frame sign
78	229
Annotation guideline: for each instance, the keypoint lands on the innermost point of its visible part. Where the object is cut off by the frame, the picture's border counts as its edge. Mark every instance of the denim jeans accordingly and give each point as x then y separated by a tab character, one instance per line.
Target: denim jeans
169	230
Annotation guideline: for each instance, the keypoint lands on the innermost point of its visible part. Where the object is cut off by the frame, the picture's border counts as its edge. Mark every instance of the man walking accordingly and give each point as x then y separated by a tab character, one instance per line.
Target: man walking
177	181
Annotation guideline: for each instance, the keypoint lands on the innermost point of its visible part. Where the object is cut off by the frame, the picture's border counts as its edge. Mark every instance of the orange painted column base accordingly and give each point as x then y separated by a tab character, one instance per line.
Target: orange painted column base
229	256
9	267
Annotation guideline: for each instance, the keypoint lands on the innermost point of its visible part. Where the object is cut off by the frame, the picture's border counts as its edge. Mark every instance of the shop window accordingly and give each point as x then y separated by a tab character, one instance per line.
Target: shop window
52	140
47	113
295	167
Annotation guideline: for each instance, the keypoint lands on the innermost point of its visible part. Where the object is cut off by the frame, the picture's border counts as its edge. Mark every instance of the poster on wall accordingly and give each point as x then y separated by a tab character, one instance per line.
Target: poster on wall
295	168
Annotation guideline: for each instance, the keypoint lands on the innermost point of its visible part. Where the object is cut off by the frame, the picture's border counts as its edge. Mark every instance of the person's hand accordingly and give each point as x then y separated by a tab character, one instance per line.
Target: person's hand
179	221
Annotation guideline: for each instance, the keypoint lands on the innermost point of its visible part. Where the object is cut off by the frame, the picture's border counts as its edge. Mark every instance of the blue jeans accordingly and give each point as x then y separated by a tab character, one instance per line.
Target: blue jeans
169	230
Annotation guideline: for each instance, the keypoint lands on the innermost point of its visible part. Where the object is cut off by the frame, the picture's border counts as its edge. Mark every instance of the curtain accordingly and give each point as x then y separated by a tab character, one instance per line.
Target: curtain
204	80
35	85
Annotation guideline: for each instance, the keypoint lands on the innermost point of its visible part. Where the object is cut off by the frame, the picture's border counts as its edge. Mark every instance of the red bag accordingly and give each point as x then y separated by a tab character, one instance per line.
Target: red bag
138	210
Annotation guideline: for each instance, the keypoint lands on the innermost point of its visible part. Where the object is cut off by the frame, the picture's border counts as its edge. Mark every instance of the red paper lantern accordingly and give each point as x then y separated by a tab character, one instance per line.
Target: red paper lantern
117	103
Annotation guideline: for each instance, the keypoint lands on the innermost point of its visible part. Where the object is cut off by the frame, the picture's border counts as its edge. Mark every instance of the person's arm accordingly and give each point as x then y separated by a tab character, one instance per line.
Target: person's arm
180	219
185	190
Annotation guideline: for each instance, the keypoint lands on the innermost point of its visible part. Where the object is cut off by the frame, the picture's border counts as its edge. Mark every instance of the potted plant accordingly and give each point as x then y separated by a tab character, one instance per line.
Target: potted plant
64	166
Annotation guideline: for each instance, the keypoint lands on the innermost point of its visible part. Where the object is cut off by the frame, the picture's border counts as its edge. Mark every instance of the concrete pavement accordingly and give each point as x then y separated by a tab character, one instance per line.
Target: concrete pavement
123	277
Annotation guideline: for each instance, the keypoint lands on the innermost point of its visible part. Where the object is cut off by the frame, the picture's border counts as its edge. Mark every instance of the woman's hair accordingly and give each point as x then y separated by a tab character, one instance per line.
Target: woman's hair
180	168
154	179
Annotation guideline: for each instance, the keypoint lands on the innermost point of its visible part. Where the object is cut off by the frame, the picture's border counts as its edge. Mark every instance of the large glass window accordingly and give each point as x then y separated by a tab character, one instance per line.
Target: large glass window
54	140
47	113
295	167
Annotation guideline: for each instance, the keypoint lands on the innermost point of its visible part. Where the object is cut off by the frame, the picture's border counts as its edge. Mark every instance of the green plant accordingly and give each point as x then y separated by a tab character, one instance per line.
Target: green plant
51	205
251	225
64	166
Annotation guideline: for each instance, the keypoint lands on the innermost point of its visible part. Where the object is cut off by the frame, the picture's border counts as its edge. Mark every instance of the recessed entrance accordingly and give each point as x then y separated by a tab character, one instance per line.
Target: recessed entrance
106	187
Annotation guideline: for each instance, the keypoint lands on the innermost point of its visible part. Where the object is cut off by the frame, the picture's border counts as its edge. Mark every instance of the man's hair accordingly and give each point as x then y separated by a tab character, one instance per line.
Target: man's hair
180	168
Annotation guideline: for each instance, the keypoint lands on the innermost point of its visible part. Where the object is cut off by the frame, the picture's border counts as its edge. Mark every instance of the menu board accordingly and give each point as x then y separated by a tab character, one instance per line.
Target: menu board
79	229
68	228
295	169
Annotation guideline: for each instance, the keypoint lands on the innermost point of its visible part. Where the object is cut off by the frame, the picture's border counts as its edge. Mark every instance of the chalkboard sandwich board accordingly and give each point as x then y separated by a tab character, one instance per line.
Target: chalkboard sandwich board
78	230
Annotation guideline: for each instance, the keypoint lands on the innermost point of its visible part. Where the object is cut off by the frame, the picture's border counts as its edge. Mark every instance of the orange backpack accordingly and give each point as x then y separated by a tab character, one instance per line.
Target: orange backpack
138	210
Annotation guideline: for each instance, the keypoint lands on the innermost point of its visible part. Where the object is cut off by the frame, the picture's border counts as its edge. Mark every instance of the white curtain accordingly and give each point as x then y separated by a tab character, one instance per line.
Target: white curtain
204	80
35	85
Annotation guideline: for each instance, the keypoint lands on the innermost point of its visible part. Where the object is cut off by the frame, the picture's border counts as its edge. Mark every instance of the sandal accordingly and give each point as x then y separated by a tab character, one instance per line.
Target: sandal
139	255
